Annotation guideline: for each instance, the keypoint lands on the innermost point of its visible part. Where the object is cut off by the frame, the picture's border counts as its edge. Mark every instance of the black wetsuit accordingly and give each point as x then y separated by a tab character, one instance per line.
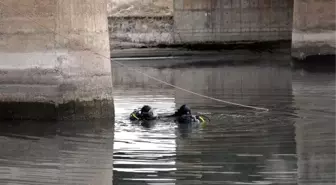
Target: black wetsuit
182	115
145	113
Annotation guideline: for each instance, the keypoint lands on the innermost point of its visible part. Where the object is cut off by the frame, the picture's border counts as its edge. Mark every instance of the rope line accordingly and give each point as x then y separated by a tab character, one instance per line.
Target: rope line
191	92
136	70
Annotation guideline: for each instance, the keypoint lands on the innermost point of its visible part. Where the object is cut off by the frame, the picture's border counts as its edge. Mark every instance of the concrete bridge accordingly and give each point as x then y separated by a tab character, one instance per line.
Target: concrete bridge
310	24
55	53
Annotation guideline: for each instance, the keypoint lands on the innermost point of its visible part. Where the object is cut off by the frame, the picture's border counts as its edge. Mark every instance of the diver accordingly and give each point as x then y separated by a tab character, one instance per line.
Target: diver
183	110
182	115
146	113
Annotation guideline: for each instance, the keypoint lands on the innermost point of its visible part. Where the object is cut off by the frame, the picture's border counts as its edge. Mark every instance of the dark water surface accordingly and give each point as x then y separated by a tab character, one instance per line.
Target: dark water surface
294	143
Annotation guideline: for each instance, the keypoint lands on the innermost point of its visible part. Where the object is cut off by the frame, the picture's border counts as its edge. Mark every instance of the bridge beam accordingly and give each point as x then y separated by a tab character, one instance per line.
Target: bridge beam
313	28
44	75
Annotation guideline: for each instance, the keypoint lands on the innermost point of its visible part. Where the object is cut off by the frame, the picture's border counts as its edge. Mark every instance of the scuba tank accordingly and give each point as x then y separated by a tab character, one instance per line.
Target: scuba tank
135	115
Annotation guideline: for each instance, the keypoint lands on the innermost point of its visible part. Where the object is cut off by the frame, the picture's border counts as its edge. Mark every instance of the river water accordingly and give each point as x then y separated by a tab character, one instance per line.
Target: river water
293	143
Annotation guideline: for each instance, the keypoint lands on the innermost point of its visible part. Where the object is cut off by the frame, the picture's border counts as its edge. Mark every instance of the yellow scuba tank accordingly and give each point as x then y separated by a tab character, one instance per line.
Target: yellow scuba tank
134	115
202	120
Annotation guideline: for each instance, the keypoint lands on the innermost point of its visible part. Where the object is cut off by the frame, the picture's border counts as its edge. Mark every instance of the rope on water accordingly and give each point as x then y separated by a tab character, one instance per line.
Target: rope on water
191	92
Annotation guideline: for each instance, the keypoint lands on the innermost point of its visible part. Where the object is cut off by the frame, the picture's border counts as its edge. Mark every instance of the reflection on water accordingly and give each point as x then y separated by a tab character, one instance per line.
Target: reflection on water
294	143
143	152
250	85
315	128
34	153
240	146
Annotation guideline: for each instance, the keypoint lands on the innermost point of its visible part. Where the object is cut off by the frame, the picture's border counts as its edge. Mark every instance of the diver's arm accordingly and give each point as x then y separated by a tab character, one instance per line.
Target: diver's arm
168	116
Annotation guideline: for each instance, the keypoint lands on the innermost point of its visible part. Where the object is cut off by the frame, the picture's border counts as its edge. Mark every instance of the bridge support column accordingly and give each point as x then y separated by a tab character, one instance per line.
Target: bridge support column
313	29
44	75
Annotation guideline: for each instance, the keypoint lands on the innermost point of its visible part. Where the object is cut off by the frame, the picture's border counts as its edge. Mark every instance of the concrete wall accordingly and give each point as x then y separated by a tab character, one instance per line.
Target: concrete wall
139	7
314	28
227	20
140	31
61	73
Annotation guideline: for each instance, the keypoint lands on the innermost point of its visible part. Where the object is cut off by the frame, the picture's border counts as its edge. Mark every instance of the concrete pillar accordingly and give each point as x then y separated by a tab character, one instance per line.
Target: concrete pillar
313	28
44	75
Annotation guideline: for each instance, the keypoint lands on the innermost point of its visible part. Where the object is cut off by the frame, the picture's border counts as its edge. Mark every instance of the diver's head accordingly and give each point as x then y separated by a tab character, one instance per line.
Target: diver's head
145	108
147	112
184	110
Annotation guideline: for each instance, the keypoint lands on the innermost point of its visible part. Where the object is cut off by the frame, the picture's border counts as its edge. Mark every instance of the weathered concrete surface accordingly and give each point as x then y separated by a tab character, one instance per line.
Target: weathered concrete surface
57	71
140	31
139	8
229	21
314	31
